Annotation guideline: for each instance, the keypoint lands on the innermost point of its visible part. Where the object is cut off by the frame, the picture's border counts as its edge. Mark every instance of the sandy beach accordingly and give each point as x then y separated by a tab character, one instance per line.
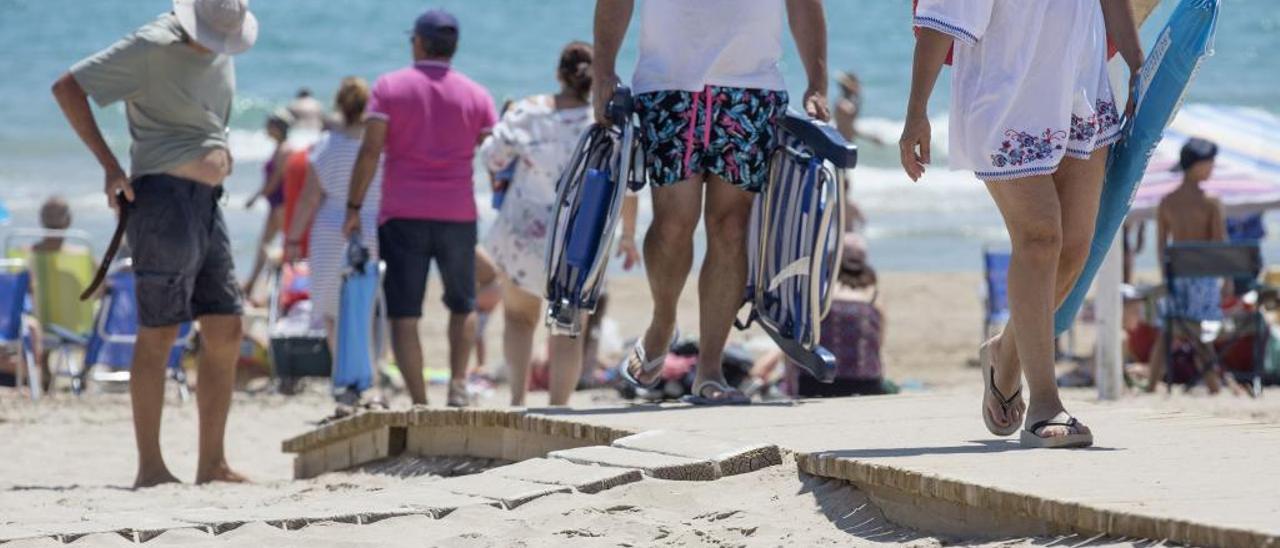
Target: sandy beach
66	457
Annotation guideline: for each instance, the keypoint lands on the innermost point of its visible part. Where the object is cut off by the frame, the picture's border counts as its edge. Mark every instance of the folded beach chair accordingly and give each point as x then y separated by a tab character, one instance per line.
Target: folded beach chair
995	290
60	276
1188	261
15	283
108	354
794	246
588	204
297	341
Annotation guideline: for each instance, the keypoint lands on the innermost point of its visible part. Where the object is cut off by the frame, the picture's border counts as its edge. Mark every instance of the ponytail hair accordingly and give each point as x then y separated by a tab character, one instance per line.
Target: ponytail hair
575	68
352	97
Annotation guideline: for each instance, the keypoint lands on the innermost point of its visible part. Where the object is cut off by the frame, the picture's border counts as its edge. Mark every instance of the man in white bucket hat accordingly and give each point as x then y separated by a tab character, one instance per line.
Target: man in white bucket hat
177	79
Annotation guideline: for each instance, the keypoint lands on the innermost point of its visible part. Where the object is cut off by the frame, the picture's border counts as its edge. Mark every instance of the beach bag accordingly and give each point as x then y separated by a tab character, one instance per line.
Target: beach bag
852	332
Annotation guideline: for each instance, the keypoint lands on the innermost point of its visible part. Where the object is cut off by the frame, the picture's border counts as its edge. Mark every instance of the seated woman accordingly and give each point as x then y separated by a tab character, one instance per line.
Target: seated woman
853	331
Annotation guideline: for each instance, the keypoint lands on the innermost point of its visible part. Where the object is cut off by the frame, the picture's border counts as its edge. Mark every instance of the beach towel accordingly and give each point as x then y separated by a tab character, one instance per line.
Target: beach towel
353	369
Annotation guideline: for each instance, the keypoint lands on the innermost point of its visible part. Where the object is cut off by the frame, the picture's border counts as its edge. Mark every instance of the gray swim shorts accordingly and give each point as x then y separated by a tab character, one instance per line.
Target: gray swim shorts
181	252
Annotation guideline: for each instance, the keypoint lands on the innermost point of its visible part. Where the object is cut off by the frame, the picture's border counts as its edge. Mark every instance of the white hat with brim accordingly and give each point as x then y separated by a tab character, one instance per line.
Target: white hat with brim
235	34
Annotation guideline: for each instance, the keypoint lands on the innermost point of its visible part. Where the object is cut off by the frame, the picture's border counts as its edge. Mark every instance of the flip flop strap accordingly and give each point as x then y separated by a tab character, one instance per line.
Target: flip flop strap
724	389
1005	403
1069	423
646	365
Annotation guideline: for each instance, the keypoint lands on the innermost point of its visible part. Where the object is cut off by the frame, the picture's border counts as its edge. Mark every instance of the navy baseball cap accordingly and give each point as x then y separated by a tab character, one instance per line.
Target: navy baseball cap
1195	151
435	25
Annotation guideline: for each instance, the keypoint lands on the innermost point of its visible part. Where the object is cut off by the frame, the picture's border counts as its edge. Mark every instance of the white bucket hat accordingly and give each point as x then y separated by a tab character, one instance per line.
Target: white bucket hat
223	26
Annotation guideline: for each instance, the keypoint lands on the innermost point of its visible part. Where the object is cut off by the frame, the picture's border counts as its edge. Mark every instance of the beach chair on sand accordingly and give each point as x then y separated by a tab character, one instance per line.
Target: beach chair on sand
108	352
995	290
794	246
297	342
1223	261
15	283
59	278
588	205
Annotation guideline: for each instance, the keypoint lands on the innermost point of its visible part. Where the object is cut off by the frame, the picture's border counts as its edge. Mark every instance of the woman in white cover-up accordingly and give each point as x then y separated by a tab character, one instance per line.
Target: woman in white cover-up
1033	116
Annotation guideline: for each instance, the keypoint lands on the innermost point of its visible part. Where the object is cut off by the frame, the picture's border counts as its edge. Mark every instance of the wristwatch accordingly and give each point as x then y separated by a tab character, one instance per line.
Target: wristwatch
353	206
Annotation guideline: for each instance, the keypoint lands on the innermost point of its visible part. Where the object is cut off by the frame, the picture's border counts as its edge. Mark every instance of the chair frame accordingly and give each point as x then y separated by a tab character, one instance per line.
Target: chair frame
59	340
23	338
1220	260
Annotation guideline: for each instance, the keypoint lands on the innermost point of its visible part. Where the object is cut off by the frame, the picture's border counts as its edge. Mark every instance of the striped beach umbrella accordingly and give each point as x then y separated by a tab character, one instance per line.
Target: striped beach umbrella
1247	174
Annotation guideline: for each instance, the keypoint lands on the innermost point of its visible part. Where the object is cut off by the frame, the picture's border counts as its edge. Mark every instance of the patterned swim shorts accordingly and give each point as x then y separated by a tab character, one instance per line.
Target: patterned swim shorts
721	131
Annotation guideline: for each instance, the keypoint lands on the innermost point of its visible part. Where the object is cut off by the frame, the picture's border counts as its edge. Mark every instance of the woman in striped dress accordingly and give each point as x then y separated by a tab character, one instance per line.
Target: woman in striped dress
324	198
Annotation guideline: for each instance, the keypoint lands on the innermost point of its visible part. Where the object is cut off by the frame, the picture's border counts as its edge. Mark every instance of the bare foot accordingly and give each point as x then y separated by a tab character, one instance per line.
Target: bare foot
220	473
153	478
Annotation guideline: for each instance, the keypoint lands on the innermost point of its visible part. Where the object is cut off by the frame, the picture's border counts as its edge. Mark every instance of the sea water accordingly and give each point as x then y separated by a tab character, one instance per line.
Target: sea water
511	47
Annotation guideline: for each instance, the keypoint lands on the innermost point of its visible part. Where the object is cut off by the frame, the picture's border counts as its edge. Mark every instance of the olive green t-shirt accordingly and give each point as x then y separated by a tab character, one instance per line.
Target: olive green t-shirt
178	100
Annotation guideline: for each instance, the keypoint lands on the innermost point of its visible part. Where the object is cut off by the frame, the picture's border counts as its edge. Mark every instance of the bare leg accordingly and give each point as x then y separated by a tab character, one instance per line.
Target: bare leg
1033	217
220	336
462	338
668	257
1079	188
146	392
275	221
408	352
331	335
520	311
566	366
723	278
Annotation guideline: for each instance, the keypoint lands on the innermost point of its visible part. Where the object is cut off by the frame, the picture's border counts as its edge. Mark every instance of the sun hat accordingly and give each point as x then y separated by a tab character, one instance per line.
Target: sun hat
854	256
223	26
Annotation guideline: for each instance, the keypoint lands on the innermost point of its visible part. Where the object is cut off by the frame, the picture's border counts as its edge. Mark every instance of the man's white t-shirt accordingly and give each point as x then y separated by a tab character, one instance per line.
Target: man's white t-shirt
690	44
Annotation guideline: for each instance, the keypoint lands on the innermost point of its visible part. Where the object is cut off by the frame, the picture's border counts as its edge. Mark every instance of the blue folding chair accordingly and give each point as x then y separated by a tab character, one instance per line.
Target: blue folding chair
588	206
1188	261
15	287
995	294
116	332
795	241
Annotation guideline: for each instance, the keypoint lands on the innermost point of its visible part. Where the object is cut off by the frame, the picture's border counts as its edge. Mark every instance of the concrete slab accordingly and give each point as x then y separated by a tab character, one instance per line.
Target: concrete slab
424	498
11	532
660	466
137	526
581	477
510	492
731	457
1146	477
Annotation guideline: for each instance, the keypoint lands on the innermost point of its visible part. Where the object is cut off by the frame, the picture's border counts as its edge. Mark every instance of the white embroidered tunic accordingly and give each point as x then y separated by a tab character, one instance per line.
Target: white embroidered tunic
1030	83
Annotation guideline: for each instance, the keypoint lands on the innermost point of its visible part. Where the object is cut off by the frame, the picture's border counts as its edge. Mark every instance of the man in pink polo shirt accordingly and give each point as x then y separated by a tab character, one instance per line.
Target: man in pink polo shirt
428	119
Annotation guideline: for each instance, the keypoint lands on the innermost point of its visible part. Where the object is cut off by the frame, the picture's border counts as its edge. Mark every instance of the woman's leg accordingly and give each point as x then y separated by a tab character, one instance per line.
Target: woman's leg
565	362
275	221
1033	216
1079	188
521	311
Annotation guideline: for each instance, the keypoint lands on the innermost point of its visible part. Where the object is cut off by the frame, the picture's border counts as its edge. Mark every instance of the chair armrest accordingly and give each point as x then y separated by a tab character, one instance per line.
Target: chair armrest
823	138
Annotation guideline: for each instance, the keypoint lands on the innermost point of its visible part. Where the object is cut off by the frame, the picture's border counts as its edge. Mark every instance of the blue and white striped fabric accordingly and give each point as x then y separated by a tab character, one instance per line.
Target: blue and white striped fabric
1170	67
332	159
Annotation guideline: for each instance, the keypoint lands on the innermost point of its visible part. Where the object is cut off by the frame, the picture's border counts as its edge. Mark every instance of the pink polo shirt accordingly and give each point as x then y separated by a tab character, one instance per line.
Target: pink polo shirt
435	116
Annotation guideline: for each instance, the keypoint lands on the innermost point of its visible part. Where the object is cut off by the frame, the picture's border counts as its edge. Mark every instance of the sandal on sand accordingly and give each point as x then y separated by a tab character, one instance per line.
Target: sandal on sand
1031	436
988	360
457	396
728	396
637	357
